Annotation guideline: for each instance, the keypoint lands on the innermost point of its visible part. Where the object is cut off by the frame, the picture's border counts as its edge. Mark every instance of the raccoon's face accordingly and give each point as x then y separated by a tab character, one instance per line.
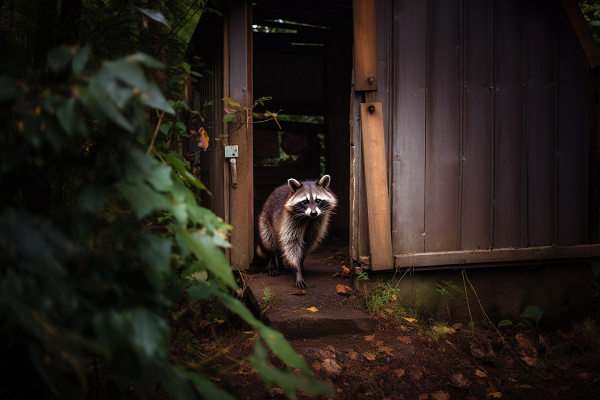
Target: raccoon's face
311	199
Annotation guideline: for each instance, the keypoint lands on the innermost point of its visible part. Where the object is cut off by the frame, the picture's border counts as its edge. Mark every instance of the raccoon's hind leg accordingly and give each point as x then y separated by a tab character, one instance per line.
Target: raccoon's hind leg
302	270
276	265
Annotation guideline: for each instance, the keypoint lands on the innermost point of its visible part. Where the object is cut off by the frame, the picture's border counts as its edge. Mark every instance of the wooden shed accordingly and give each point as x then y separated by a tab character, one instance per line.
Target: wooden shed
457	132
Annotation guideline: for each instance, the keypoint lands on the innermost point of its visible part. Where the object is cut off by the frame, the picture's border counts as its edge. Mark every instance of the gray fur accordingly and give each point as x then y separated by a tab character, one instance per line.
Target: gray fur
288	229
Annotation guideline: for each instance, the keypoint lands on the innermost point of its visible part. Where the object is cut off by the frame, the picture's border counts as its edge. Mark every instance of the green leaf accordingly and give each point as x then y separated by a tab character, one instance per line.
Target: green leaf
69	116
208	390
149	334
156	15
287	380
155	254
504	322
143	199
229	118
146	60
179	167
92	197
533	312
59	56
282	348
185	66
164	128
205	250
196	73
80	59
154	98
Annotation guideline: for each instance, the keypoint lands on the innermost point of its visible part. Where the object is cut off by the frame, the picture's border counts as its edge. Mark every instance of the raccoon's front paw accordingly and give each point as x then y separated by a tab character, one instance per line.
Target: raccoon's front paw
300	284
273	272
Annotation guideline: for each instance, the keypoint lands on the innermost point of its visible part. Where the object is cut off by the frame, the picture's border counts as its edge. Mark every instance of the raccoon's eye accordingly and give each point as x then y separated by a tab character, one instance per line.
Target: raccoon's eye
304	202
317	201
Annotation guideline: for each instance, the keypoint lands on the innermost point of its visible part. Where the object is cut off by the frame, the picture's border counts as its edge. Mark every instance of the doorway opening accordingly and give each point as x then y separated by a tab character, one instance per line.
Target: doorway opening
302	57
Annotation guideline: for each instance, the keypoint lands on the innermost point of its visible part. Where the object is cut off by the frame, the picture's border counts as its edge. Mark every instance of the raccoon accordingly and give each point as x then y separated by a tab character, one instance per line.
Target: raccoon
293	222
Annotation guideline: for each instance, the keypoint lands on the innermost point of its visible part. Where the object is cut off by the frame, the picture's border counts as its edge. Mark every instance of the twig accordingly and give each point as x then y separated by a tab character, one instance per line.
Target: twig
467	295
155	132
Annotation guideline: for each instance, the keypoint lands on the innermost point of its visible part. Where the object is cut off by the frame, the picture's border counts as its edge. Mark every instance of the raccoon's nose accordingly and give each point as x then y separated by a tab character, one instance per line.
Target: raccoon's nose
313	214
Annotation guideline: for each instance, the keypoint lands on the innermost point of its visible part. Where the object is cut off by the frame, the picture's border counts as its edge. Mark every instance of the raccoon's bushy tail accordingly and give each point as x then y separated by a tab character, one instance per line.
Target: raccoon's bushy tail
261	257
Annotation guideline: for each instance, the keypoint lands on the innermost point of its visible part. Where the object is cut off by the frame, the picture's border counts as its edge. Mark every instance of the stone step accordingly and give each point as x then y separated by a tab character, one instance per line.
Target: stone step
288	313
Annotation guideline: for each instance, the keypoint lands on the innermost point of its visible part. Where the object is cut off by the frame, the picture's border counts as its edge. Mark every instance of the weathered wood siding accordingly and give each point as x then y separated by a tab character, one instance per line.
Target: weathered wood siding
488	121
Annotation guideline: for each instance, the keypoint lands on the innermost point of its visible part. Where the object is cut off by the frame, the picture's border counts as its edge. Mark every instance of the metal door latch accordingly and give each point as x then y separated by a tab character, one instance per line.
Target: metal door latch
231	152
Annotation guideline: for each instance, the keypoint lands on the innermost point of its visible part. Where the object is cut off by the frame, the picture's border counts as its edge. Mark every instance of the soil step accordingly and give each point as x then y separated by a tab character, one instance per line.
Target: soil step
288	313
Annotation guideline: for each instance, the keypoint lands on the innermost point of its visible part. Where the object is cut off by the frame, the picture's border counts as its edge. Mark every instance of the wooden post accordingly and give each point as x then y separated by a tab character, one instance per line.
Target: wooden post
378	205
241	212
365	45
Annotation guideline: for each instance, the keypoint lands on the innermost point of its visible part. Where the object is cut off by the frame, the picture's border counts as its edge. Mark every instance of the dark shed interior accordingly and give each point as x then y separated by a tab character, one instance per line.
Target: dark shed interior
303	60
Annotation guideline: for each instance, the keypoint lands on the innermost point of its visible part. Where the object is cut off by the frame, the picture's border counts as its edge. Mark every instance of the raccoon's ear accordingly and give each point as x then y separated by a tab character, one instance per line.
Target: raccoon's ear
294	185
324	181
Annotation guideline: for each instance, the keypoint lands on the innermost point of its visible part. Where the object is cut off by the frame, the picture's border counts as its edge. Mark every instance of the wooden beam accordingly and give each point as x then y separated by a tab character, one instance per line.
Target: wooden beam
583	33
241	212
365	45
466	257
376	183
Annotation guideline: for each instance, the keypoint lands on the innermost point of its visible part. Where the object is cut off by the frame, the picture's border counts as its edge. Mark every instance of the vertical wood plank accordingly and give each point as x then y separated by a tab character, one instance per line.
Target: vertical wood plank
365	45
572	144
384	13
375	172
478	117
408	168
594	163
443	127
240	90
541	120
358	194
510	136
338	82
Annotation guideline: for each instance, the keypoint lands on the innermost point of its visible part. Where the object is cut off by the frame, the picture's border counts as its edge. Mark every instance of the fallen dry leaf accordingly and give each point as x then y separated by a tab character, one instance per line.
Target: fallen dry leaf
378	342
331	367
410	319
458	380
441	396
389	310
352	355
369	356
202	139
404	339
585	375
394	297
299	292
369	338
495	395
343	289
399	372
423	396
276	391
312	309
444	329
339	390
316	366
385	349
480	374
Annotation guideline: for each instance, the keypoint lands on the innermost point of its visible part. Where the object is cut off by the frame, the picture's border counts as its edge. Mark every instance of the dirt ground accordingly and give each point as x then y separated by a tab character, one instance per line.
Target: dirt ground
412	360
406	361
